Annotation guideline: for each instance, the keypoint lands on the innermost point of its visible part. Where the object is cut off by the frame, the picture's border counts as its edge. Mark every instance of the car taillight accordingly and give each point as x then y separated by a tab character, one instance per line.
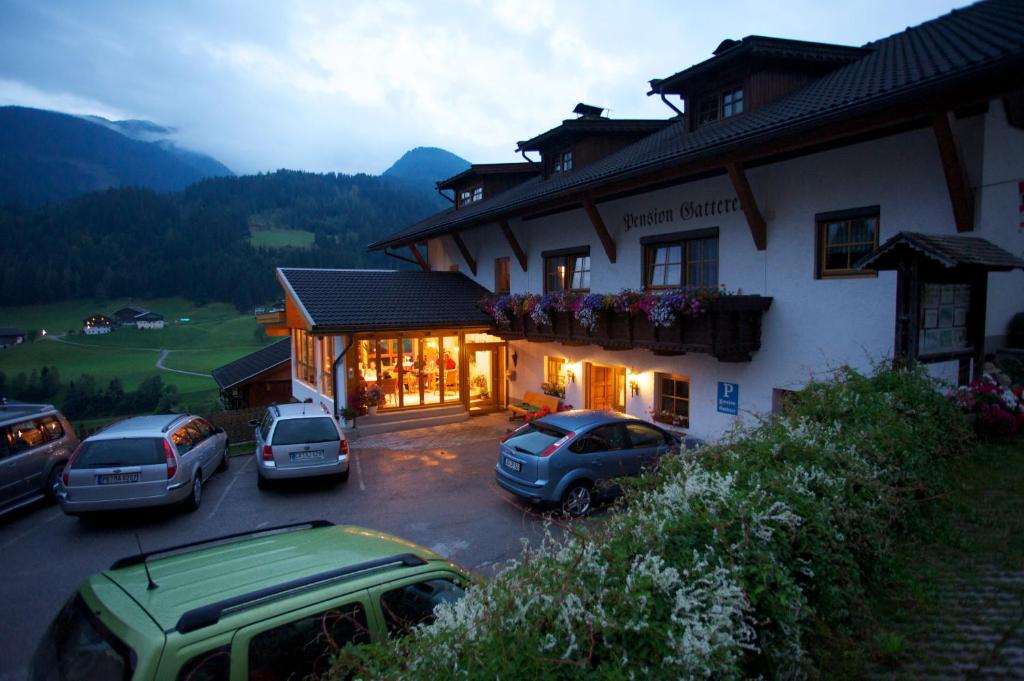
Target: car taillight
553	447
343	448
268	453
66	475
172	463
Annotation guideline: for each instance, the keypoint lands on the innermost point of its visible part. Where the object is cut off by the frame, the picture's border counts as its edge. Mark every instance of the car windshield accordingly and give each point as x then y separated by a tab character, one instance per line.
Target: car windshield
77	647
534	438
135	451
301	431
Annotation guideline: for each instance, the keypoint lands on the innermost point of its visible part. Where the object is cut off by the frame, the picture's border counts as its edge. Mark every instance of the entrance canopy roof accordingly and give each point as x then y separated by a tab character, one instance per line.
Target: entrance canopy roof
345	301
948	251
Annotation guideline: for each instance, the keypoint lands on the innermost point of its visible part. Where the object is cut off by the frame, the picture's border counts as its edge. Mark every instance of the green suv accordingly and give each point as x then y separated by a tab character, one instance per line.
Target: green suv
272	604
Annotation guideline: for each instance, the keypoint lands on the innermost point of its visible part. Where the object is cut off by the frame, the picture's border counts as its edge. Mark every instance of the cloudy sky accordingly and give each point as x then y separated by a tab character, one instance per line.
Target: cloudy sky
348	86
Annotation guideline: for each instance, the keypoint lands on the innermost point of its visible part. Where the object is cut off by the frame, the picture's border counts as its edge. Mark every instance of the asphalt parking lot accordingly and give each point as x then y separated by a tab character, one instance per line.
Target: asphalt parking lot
434	487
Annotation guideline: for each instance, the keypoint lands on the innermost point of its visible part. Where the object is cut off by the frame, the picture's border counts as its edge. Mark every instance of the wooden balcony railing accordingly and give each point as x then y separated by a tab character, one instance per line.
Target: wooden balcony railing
730	330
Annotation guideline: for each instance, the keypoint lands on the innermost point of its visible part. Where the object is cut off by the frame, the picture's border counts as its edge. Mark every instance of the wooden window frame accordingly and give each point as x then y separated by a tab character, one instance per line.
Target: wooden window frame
503	275
821	222
477	193
736	100
651	245
569	256
558	162
559	375
327	365
305	357
659	383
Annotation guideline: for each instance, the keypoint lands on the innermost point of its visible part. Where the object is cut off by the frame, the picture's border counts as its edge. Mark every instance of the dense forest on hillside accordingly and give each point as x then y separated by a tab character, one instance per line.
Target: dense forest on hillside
195	243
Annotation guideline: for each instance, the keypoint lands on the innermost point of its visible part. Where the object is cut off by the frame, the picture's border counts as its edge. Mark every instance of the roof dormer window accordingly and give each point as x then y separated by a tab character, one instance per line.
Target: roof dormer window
563	161
707	110
471	195
732	103
720	105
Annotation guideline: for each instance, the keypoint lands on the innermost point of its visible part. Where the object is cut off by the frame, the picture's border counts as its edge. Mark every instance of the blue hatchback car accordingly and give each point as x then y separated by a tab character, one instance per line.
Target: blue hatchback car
558	459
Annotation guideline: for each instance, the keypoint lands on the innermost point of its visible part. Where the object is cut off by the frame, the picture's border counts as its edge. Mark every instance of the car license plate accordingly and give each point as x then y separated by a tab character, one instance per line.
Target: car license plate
513	464
116	478
307	456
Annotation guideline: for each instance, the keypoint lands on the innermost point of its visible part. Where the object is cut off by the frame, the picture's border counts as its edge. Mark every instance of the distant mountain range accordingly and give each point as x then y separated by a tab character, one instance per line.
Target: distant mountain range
47	156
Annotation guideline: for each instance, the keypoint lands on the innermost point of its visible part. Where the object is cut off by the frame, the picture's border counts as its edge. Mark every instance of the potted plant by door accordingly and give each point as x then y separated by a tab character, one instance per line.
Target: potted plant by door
348	417
374	396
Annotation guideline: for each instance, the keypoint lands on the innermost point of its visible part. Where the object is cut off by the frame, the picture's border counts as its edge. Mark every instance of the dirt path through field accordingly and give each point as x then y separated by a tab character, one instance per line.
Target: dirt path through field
159	361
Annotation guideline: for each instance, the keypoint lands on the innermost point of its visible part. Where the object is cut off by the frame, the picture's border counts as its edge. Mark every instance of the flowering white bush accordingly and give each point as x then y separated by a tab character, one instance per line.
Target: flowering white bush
728	562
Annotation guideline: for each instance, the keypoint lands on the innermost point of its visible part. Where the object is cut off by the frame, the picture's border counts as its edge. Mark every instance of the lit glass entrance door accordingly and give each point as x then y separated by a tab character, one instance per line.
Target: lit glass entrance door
485	384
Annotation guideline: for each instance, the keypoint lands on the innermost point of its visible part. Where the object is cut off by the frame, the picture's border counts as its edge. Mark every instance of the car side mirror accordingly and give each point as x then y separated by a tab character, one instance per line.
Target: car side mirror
218	430
253	423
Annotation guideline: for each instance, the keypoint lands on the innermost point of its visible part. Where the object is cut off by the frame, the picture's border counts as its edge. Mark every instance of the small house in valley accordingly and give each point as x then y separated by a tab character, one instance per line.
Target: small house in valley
9	337
96	324
150	320
128	315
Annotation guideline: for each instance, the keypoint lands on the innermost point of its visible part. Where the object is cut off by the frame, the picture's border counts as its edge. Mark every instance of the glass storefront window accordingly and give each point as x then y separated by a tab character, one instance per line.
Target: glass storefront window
450	360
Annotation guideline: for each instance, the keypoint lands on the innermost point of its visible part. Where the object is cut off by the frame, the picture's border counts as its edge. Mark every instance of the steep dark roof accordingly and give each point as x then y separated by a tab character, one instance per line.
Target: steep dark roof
759	46
253	364
490	169
954	49
946	250
10	331
149	317
129	312
361	300
592	126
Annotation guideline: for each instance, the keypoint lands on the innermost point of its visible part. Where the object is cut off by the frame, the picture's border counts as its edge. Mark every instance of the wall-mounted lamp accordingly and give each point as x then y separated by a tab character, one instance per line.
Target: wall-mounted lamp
634	388
515	359
571	375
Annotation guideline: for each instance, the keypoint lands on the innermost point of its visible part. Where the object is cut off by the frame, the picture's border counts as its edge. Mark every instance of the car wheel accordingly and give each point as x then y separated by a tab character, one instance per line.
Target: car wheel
261	482
53	481
341	477
196	498
577	500
225	461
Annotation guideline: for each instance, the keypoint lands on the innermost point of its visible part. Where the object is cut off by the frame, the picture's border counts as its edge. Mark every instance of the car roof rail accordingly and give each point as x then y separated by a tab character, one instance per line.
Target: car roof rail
208	615
170	423
139	558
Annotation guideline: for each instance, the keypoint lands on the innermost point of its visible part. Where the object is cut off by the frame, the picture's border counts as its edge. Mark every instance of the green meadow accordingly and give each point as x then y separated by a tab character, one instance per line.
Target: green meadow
214	335
279	238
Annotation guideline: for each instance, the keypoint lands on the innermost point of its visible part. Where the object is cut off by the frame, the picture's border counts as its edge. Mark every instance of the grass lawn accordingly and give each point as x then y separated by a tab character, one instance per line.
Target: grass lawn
215	335
279	238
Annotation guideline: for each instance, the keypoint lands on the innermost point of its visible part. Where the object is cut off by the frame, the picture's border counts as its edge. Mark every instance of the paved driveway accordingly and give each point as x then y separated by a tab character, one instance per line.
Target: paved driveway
433	486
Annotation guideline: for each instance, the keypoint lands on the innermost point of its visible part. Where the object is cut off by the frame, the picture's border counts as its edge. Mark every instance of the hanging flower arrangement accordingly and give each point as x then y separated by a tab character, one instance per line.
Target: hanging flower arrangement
662	308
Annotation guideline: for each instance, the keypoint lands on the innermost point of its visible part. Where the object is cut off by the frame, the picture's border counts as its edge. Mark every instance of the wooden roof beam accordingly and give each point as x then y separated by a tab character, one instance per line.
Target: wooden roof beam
960	194
602	232
513	243
758	227
419	257
470	261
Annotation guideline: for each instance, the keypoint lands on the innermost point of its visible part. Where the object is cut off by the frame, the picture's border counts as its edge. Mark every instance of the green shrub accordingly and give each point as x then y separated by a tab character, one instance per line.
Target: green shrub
733	561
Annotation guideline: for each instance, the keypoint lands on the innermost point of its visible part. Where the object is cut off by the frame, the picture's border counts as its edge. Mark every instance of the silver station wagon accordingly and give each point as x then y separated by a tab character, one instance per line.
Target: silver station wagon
144	461
299	441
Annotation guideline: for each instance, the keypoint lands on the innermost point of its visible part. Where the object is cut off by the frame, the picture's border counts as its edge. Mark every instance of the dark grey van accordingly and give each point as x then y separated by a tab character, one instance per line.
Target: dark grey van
35	444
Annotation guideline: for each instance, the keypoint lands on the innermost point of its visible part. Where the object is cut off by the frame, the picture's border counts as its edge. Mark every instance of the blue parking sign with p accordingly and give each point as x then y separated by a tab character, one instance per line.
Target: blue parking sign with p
728	398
